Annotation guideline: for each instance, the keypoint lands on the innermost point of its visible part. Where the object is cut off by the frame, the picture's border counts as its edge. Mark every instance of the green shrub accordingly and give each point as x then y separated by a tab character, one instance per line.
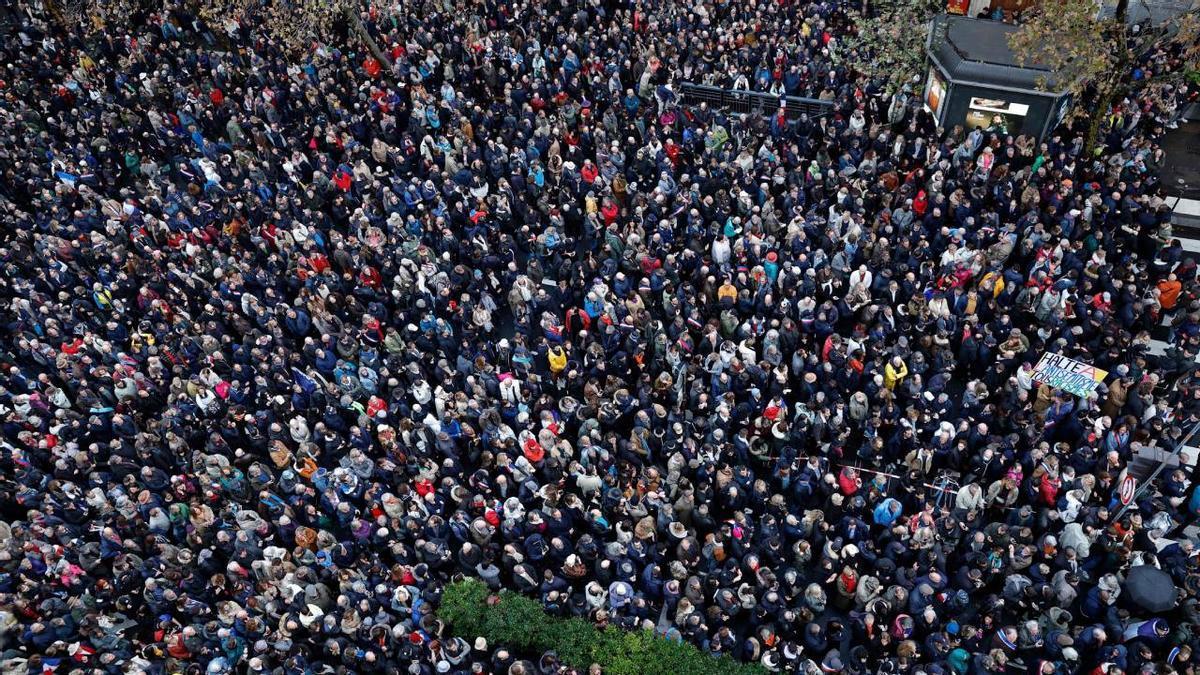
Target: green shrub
470	610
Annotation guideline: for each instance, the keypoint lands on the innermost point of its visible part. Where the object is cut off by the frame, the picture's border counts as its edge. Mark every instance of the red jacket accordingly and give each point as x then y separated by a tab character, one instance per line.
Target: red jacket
609	211
847	483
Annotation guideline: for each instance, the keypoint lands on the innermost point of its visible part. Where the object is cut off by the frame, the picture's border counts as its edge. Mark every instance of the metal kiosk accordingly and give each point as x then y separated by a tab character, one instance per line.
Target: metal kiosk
974	80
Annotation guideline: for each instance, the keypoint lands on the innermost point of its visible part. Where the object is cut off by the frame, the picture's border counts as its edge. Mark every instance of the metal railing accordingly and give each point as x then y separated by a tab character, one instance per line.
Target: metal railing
753	102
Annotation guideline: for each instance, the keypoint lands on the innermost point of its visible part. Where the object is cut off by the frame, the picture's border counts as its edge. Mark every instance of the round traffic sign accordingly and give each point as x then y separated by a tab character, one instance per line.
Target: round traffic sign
1128	488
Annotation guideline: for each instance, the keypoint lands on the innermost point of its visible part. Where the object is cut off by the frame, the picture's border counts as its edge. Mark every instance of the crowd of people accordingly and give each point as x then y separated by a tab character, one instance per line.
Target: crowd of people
291	341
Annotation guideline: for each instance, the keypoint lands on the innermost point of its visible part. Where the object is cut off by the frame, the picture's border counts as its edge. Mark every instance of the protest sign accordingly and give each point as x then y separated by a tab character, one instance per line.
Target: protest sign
1061	372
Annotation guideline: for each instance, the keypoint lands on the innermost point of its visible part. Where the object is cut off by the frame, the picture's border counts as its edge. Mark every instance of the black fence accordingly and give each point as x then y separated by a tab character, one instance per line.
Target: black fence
753	102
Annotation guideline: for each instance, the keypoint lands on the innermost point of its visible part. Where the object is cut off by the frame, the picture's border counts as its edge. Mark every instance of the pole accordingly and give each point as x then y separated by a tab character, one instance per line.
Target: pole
360	30
1157	471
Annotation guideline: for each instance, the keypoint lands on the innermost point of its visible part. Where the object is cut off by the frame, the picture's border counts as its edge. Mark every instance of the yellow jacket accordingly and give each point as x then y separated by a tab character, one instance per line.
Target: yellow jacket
892	375
558	359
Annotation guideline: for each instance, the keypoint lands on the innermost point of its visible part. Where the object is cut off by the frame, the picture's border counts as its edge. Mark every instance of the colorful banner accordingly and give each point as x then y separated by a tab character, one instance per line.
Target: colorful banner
1060	372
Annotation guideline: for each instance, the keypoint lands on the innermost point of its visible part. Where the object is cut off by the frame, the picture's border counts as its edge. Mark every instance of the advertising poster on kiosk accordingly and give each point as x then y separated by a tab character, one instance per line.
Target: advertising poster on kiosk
935	93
